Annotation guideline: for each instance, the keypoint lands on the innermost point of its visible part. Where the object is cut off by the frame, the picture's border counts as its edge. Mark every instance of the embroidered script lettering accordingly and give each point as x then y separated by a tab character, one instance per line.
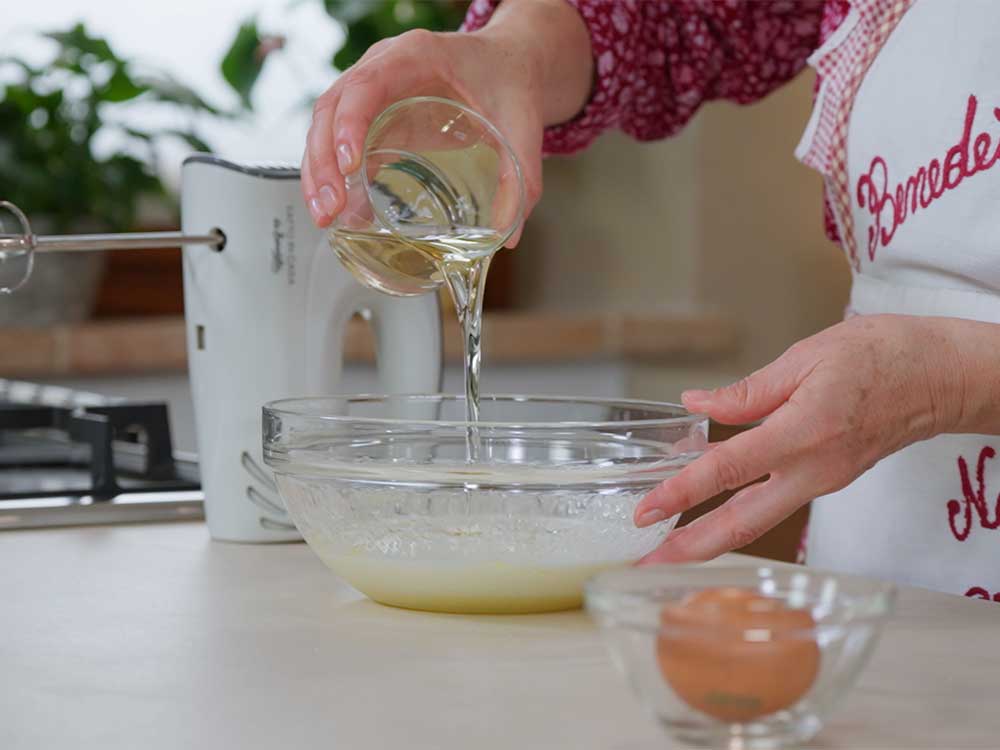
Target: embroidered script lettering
960	512
889	205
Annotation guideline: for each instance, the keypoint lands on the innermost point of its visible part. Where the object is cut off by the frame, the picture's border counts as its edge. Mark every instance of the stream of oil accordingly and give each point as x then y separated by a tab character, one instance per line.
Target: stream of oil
460	258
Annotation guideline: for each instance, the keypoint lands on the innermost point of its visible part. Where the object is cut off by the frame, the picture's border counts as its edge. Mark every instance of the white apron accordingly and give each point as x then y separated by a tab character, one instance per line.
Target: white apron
926	118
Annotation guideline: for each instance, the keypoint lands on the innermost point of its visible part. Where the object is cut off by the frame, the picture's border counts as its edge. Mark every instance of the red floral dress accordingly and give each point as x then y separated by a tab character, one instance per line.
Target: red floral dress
658	61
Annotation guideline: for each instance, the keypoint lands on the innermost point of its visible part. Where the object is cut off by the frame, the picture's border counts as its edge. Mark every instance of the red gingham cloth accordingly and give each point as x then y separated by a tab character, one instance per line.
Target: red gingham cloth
841	64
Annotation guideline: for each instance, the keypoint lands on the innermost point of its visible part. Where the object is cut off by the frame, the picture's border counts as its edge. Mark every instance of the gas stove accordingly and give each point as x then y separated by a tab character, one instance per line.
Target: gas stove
69	457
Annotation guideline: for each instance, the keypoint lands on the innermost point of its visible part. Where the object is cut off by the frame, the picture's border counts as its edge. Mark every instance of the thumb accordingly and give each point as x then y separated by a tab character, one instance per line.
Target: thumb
747	400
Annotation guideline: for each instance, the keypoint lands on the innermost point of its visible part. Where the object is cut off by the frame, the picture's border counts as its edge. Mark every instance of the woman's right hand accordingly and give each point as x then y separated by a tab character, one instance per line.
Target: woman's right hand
502	72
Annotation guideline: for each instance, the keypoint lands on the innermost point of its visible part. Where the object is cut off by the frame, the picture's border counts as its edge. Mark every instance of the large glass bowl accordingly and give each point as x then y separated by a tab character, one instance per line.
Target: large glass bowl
383	490
720	677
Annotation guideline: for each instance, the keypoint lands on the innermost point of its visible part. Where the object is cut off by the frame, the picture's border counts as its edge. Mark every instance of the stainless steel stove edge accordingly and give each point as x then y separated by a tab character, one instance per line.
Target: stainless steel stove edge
145	507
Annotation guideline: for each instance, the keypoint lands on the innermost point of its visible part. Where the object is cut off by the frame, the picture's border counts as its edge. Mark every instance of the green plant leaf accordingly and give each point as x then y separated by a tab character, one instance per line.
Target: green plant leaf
48	122
359	36
366	22
190	139
77	47
136	133
454	12
22	97
29	71
121	88
242	65
349	11
164	88
80	41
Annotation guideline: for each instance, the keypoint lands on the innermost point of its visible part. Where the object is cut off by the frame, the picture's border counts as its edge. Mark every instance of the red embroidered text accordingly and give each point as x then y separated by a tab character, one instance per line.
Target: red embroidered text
889	206
978	592
960	512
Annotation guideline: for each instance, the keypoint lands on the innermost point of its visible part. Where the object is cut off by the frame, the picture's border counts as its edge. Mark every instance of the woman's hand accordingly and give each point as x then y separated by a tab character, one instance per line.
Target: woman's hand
529	67
833	405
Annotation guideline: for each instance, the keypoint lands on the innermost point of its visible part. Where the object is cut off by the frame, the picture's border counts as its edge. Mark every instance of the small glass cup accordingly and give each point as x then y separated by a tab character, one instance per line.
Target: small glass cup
436	179
760	678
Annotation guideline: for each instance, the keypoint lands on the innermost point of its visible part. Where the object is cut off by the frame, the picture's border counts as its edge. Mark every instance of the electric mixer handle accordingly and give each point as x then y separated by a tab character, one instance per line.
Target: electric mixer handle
407	332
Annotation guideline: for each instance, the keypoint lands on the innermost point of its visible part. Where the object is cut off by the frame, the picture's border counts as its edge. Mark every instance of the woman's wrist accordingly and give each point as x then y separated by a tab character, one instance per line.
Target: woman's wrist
554	40
964	371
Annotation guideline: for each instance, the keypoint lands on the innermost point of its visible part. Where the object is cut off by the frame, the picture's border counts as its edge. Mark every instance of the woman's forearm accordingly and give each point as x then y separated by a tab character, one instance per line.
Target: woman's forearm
554	39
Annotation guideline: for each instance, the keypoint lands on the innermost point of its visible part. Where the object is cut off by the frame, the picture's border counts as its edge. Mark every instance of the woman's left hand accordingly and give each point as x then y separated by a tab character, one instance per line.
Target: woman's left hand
833	405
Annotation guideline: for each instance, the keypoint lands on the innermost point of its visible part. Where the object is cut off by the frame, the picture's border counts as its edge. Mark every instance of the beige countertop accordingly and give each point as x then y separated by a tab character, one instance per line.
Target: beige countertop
156	637
158	344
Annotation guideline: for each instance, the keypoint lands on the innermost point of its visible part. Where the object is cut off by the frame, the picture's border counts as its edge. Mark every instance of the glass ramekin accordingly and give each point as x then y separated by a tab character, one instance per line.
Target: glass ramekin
750	681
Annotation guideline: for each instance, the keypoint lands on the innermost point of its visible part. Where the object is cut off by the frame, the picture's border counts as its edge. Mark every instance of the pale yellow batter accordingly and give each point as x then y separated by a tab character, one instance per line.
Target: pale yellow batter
495	587
474	563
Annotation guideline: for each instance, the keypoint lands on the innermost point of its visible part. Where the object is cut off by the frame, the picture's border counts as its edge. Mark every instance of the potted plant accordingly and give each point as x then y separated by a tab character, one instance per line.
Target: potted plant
50	118
364	22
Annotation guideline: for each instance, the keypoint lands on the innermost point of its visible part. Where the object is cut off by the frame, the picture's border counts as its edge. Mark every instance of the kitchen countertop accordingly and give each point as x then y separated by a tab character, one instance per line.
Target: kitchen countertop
142	345
156	637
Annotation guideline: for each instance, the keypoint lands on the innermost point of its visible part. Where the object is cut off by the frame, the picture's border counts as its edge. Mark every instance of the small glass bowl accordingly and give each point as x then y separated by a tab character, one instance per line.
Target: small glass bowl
431	168
385	492
766	681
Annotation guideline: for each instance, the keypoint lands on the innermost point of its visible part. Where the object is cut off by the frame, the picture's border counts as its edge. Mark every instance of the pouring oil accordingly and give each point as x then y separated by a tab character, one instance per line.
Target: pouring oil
439	204
415	260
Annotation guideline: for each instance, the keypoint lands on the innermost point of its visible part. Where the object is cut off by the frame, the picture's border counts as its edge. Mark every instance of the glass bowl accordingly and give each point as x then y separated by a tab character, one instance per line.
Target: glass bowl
739	657
383	490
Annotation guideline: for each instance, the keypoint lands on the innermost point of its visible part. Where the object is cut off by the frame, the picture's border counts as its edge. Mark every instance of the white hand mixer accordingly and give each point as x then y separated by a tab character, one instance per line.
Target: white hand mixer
265	304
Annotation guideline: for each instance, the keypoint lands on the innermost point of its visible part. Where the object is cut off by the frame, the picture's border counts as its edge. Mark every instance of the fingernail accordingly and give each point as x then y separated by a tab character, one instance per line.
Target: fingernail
695	395
316	209
345	159
650	517
329	200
